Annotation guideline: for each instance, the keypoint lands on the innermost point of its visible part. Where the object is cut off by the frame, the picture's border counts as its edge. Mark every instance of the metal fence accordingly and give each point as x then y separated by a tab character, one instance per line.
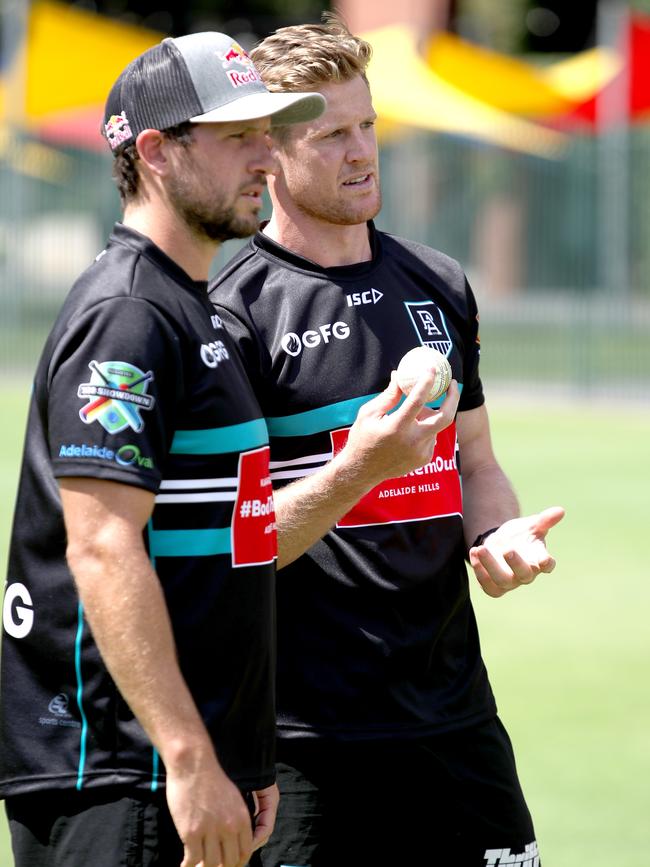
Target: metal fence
556	249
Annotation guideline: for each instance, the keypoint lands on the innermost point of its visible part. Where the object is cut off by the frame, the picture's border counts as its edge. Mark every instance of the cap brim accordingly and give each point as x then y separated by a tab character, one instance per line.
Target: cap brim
282	108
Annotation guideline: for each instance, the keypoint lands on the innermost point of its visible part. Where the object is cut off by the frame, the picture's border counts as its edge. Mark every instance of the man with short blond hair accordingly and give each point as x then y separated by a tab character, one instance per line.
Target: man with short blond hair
390	749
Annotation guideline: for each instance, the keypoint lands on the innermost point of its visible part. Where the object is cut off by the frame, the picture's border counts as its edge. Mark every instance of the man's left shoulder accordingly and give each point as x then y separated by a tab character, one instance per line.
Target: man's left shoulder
414	254
239	281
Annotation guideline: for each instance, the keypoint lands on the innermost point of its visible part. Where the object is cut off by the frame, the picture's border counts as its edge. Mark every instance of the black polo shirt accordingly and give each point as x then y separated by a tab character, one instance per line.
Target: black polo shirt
140	384
377	636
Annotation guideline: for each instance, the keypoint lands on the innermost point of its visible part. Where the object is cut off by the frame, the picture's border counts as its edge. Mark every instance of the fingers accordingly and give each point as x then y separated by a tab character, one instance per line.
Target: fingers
446	413
500	574
418	396
263	830
231	852
415	402
546	519
243	846
219	850
192	852
547	565
386	400
213	853
414	405
516	553
267	801
483	576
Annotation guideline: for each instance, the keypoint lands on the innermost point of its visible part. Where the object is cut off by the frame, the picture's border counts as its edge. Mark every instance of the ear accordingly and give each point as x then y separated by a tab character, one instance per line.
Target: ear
277	148
151	148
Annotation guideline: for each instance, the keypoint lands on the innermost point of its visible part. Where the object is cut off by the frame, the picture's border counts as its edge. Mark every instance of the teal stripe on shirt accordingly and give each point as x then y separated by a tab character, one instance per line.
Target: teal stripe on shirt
189	543
330	417
80	691
219	440
155	759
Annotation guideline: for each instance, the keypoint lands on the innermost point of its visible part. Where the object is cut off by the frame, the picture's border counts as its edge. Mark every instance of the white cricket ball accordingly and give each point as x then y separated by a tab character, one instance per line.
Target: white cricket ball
416	362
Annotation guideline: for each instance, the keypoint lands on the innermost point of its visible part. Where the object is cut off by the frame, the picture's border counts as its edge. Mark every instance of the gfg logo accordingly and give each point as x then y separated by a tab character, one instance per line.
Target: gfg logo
293	343
17	619
213	353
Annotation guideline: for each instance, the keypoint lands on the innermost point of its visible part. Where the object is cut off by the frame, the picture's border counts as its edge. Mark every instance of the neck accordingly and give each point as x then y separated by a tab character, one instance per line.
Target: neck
327	244
161	225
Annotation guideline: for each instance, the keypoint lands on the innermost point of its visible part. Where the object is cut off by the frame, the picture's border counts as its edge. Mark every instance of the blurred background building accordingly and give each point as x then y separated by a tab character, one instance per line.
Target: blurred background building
515	136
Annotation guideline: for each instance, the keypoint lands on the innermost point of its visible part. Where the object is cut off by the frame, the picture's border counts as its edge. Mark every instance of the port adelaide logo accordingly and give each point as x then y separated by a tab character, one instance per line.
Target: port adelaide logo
430	325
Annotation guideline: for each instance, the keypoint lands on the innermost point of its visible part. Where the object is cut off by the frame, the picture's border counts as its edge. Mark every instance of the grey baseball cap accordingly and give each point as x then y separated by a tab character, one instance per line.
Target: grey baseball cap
203	78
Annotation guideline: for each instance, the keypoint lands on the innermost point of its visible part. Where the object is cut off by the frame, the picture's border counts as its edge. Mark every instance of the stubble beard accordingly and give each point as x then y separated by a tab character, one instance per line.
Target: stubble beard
212	220
340	213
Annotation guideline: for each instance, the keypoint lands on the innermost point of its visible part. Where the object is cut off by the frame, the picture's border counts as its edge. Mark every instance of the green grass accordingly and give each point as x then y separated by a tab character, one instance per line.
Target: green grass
568	656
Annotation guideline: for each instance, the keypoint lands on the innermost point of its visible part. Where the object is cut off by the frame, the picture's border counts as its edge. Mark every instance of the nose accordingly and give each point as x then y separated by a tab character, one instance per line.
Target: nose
362	146
262	160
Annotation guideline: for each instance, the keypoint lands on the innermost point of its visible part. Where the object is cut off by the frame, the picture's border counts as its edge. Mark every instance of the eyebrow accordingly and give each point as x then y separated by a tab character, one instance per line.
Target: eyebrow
330	126
244	126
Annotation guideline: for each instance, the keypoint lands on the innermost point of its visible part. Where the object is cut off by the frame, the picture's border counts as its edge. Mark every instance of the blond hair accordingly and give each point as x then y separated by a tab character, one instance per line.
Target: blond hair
305	56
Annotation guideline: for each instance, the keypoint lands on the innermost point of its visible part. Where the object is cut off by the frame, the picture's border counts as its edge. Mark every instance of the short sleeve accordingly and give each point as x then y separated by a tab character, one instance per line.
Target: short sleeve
115	385
472	395
250	347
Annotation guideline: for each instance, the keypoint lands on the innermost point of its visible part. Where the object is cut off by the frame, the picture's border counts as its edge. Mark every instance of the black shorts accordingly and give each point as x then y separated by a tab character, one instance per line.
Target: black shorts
102	827
452	799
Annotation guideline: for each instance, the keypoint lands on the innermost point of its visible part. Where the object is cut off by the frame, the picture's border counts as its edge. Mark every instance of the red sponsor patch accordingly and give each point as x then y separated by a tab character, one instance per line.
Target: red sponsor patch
432	491
254	539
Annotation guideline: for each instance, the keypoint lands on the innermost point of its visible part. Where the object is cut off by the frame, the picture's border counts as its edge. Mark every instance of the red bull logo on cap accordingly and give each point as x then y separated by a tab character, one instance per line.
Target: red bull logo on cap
236	54
117	130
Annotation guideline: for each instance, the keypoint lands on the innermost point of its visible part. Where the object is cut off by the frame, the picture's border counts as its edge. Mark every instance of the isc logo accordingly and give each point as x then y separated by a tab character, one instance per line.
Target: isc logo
293	343
370	296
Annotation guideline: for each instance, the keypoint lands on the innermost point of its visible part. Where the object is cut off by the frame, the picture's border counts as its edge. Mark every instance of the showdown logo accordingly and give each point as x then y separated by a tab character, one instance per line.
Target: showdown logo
116	394
239	77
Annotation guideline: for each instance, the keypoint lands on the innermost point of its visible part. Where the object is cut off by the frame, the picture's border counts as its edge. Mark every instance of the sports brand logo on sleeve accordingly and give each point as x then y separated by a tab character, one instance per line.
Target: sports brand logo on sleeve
430	325
116	394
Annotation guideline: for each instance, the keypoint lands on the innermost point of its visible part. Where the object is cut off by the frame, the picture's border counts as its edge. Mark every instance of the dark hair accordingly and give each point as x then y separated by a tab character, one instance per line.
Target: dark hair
125	163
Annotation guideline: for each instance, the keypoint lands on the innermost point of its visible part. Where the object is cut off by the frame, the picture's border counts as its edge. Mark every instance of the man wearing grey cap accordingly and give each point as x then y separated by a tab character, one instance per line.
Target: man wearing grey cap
137	720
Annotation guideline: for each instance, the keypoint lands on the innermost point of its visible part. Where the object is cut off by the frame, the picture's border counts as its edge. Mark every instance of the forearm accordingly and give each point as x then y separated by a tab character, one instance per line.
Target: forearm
308	508
127	612
488	500
384	442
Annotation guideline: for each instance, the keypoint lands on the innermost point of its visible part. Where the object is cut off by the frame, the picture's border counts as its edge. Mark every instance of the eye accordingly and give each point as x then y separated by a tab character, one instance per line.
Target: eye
367	124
